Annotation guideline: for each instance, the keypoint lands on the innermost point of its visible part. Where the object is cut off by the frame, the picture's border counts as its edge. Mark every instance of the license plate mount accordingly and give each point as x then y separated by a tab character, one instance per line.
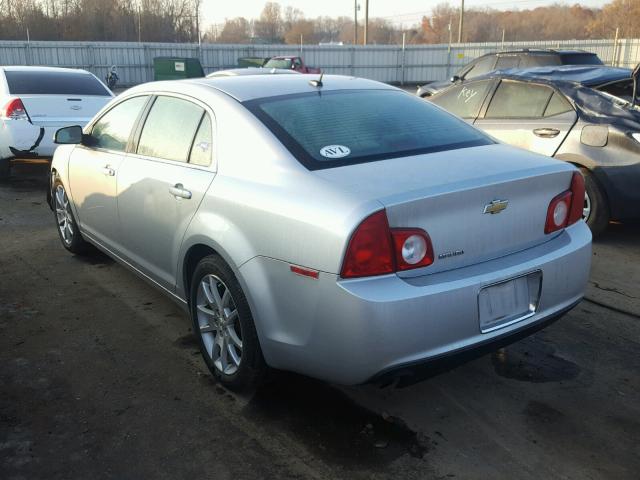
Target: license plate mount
509	301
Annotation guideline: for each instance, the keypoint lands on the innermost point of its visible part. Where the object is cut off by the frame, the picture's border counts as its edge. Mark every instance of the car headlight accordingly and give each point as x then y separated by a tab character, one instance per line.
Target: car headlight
636	136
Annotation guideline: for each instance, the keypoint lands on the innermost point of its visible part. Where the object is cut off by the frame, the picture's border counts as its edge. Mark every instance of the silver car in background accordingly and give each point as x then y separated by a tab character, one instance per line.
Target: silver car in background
336	227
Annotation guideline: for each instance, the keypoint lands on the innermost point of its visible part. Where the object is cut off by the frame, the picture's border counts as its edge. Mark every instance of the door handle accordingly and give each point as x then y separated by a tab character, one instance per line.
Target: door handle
179	191
107	170
546	132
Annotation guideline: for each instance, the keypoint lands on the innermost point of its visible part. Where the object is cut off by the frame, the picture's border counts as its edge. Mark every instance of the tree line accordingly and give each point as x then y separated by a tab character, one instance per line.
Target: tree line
180	21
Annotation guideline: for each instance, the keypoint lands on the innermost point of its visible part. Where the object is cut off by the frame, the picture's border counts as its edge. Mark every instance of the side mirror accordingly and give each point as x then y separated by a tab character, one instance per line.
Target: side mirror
455	79
68	135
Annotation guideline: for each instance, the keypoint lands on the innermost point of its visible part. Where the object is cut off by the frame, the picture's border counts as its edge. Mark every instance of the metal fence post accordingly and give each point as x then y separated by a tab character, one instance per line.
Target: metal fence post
404	51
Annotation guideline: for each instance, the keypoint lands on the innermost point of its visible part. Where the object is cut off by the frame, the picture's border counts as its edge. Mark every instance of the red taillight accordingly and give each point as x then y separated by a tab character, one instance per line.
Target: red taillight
566	208
370	249
577	204
376	249
15	110
413	248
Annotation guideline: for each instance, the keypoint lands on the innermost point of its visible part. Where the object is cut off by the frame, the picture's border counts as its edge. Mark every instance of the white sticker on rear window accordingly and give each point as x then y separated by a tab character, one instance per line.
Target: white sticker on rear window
335	151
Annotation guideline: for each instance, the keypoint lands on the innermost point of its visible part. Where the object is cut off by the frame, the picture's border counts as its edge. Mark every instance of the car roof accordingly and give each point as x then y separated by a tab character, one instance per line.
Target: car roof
546	51
250	87
22	68
250	71
586	75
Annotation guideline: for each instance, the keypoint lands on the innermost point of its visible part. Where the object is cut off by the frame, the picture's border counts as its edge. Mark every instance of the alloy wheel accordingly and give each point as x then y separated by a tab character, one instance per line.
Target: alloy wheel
219	324
63	215
586	209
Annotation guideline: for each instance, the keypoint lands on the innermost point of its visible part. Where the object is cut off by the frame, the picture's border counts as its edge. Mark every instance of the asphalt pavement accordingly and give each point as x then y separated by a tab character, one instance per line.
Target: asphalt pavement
101	378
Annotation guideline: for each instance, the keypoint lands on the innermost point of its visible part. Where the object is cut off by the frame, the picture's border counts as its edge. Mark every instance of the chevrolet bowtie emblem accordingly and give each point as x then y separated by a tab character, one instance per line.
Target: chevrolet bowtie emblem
496	206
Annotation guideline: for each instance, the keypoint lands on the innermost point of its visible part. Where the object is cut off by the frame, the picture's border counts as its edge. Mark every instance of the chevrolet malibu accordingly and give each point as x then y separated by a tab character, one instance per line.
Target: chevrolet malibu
336	227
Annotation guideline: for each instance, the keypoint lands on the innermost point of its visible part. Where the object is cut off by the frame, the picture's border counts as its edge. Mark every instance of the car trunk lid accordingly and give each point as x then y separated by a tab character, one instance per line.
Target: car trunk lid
450	194
62	110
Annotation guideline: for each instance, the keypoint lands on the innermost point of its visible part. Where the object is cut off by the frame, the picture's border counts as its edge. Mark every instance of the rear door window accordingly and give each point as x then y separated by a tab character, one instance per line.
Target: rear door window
202	148
557	105
335	128
463	100
519	100
35	82
169	129
113	130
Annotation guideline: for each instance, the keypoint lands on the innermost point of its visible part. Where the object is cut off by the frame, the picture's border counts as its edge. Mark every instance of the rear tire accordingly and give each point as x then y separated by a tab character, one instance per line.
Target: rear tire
596	208
68	230
5	169
223	323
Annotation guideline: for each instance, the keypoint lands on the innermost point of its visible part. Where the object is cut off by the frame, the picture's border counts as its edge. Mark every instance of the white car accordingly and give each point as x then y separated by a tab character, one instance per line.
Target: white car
37	101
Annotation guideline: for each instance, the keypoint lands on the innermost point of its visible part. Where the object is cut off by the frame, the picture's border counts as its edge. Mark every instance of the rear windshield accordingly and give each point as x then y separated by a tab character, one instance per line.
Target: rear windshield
278	63
580	59
331	129
54	83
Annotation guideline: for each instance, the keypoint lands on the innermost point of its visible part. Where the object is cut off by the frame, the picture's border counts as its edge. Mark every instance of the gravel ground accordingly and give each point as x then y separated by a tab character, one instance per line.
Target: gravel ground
100	378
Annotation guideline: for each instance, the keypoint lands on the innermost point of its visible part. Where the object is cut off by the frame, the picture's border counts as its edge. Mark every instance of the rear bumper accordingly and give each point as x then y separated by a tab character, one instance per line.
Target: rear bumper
408	374
351	331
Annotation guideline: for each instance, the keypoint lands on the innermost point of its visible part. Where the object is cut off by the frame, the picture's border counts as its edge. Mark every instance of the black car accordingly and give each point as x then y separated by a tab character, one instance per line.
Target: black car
525	58
551	112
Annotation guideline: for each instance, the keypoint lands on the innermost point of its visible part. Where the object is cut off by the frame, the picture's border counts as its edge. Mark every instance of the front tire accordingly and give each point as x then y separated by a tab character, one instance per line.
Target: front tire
596	207
68	230
223	323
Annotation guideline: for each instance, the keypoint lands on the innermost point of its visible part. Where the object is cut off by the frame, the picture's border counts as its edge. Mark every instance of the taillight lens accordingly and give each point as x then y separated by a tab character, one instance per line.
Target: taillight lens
577	203
14	110
369	251
412	248
376	249
566	208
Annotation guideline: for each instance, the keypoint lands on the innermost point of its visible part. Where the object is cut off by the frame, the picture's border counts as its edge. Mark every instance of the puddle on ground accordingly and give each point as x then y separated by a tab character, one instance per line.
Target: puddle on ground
533	360
330	424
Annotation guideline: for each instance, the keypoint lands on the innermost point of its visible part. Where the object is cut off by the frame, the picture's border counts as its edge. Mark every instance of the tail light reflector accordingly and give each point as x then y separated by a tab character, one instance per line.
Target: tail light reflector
376	249
566	208
15	110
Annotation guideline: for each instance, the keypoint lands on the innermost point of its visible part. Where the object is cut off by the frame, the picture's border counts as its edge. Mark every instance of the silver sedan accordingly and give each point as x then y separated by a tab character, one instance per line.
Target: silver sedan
336	227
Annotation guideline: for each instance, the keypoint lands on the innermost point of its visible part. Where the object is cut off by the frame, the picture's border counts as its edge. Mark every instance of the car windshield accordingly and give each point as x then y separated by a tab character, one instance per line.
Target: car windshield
580	59
278	63
330	129
53	83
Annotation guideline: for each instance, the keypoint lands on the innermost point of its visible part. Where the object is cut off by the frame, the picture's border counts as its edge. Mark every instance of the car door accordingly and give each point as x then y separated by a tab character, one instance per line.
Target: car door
162	182
464	100
528	115
93	170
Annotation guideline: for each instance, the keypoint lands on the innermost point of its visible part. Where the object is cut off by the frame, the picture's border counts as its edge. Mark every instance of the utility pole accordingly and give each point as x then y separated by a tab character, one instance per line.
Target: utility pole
366	20
355	21
461	22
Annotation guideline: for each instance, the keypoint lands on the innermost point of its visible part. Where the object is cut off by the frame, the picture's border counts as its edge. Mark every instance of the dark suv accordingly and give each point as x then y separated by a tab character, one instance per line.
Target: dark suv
524	58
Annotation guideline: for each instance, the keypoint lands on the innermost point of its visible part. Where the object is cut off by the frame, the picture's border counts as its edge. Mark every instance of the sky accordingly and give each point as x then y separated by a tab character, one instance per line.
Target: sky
402	12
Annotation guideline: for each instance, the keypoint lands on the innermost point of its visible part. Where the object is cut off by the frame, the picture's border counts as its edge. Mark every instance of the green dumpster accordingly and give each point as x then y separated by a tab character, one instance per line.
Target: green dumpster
175	68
